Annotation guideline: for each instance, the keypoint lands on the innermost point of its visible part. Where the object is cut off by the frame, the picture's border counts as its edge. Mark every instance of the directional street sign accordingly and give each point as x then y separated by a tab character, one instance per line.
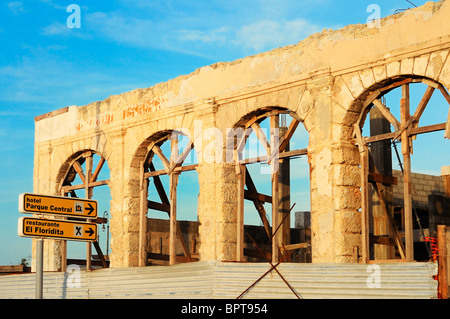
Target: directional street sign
58	205
57	229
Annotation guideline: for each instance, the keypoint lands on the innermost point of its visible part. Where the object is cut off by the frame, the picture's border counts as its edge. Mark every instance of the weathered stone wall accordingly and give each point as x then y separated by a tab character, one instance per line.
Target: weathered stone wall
322	79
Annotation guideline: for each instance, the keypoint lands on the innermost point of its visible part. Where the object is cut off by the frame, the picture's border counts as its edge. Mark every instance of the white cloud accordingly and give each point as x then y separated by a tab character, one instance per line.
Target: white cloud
45	78
61	29
194	30
268	34
55	28
142	33
252	38
53	5
216	35
16	7
123	29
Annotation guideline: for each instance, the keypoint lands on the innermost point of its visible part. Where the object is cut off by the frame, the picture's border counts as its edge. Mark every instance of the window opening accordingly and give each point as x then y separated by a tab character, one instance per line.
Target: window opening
85	175
170	233
399	123
270	170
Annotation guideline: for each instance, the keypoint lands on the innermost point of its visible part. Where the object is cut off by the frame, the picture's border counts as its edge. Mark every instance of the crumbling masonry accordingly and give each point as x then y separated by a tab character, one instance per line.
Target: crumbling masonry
326	83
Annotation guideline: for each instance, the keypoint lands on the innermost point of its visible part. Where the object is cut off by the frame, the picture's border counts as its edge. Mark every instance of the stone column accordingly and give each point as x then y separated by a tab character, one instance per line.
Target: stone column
217	211
125	204
335	176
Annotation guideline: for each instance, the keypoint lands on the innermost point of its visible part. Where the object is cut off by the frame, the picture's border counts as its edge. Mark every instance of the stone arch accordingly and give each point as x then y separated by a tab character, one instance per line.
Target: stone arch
67	172
276	152
376	172
298	99
350	90
95	173
172	166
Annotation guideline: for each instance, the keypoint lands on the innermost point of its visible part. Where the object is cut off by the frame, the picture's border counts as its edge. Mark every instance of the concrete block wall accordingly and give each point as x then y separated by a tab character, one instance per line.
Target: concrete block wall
422	186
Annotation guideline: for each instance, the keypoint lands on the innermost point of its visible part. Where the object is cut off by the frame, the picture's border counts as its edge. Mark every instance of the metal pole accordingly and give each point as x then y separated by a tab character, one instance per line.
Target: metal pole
39	267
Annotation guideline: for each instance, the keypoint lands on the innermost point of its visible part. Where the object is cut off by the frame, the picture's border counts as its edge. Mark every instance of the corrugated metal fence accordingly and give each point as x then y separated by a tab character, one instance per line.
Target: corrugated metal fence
207	280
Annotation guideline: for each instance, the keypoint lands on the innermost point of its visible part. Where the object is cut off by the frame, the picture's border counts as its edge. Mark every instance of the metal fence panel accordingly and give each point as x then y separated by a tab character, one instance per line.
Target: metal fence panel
328	281
205	280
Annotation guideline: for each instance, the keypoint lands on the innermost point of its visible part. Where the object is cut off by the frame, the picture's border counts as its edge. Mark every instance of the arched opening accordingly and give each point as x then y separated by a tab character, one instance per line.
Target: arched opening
169	222
83	177
400	137
274	190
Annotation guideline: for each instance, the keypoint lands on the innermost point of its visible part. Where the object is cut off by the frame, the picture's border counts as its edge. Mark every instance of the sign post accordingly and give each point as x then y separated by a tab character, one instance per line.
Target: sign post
57	229
39	267
58	205
41	228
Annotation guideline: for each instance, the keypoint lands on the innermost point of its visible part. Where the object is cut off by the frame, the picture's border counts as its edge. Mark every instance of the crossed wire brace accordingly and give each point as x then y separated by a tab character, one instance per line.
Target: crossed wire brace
273	267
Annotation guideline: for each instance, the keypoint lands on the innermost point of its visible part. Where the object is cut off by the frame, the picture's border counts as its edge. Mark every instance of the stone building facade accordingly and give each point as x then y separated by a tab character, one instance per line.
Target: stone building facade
322	82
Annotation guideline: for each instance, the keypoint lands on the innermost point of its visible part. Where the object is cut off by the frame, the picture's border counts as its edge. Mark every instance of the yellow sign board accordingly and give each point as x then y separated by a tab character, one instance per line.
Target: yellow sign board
58	205
57	229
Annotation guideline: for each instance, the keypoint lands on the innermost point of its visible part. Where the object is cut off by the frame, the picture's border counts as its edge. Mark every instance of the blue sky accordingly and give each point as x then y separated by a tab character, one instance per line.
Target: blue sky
122	45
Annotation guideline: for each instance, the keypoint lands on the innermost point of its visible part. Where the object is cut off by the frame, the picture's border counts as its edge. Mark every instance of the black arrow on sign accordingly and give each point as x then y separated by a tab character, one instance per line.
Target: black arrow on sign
90	232
90	209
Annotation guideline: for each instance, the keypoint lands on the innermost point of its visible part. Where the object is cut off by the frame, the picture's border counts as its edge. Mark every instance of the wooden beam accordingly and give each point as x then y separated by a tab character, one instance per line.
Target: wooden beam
173	182
180	160
284	193
257	196
98	169
358	137
384	179
158	206
176	170
287	137
157	150
410	133
159	186
380	190
380	161
81	262
100	254
285	154
174	150
418	113
11	269
173	218
427	129
274	169
423	103
258	204
255	253
79	170
143	218
443	261
180	259
387	114
100	220
69	188
447	98
88	189
385	261
364	157
241	143
382	240
397	84
165	201
261	137
296	246
407	196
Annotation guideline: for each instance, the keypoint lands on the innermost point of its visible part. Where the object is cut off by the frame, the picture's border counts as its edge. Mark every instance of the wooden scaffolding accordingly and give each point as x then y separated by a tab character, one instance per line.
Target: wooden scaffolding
405	131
